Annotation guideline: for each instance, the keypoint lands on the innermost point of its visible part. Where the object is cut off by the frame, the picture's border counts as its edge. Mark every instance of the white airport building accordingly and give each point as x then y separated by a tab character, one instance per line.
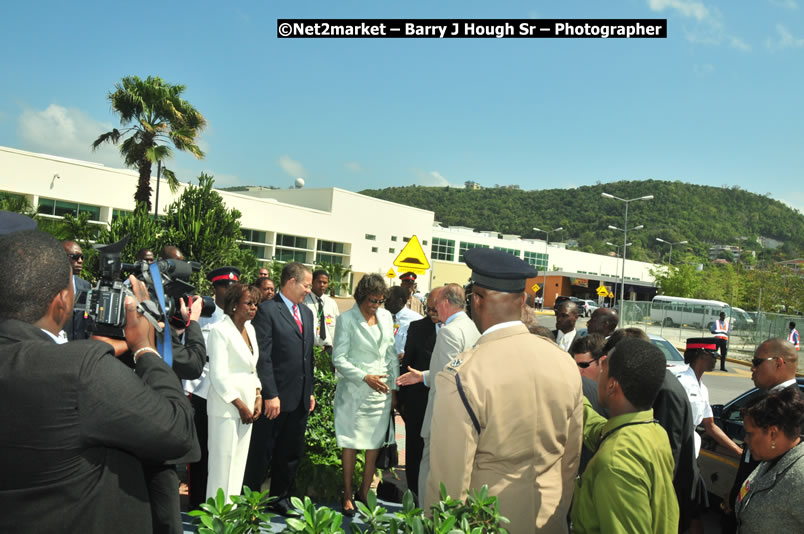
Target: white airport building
310	225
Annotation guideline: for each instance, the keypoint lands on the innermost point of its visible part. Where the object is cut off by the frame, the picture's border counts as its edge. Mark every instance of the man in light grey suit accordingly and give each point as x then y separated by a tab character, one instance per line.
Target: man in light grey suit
458	334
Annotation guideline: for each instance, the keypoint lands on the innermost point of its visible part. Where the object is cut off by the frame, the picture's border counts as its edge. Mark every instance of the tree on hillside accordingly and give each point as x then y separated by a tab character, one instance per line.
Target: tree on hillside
153	114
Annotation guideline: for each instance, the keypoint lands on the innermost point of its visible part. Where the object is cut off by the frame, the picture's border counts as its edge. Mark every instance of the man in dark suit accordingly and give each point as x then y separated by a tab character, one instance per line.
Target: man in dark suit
76	327
412	400
285	331
77	423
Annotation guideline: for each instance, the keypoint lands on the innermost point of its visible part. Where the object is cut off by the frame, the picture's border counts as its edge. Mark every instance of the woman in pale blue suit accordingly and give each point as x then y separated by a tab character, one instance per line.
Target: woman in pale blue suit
366	366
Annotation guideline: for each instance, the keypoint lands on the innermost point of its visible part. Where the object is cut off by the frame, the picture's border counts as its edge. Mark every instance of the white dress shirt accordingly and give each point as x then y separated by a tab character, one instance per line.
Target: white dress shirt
564	341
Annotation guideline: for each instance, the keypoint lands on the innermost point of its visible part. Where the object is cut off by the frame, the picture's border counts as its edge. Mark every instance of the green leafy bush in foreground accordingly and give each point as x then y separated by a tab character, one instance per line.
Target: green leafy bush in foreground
246	514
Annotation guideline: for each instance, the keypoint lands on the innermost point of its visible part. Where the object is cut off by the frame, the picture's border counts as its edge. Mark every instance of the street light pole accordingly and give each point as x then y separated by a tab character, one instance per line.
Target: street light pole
625	237
617	264
671	246
546	242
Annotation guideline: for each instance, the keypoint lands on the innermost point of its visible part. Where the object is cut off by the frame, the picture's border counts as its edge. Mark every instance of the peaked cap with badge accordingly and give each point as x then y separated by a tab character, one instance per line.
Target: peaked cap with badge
498	270
224	275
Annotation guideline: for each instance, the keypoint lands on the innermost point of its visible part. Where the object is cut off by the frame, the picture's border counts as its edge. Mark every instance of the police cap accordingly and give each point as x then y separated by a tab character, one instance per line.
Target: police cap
407	276
15	222
498	270
708	344
224	275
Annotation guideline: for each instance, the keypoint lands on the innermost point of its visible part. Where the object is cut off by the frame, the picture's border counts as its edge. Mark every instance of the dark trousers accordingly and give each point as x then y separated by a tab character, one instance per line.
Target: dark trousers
724	349
197	477
278	443
412	410
163	489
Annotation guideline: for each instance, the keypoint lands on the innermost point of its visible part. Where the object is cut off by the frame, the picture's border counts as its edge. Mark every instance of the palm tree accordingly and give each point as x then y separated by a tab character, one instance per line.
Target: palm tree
153	114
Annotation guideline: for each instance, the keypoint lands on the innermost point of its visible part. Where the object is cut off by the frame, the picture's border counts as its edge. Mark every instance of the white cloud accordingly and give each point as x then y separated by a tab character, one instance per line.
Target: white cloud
706	24
787	4
66	132
434	178
353	166
785	39
739	44
686	8
292	167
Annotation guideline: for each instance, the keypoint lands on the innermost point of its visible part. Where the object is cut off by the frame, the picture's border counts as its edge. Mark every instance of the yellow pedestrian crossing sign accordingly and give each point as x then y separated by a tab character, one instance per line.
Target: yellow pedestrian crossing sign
412	257
390	273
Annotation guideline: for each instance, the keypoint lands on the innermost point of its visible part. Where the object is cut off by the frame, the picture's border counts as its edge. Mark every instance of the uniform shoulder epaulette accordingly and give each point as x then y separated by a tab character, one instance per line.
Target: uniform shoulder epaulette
454	365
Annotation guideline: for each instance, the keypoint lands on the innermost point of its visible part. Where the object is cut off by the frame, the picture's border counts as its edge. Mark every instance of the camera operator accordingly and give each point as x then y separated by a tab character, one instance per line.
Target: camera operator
77	424
189	358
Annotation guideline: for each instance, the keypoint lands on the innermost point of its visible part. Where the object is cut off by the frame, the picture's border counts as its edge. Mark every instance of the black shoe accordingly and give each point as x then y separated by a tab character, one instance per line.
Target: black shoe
347	512
282	507
724	370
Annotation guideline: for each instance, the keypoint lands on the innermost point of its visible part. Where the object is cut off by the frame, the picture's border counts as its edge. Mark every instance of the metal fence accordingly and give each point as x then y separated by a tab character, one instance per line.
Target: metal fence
746	334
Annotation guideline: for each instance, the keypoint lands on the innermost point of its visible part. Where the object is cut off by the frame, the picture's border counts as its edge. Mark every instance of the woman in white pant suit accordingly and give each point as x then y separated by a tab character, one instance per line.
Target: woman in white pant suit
234	400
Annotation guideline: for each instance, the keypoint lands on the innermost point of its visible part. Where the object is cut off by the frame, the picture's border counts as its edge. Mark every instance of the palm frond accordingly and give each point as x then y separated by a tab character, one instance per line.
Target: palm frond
109	137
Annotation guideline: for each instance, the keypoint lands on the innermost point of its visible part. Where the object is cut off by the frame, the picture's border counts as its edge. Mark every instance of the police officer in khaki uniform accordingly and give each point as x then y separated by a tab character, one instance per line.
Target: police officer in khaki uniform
508	412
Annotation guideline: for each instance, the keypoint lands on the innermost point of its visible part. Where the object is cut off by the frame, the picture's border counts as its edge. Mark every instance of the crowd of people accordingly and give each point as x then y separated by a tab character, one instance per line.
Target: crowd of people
573	430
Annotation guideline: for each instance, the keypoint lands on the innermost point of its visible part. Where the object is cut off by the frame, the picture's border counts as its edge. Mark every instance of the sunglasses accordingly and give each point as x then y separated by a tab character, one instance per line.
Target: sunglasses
75	257
584	365
756	362
376	301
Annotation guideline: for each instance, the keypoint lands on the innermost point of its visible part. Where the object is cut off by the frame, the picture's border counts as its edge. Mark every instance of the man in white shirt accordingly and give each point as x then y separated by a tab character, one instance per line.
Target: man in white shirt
325	310
566	317
403	316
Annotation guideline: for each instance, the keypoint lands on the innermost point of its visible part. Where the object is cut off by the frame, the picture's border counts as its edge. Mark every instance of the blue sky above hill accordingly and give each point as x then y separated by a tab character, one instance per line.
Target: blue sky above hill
718	102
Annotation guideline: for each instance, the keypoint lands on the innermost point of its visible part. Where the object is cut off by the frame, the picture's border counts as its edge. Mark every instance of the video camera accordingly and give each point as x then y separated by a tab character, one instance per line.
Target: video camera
104	304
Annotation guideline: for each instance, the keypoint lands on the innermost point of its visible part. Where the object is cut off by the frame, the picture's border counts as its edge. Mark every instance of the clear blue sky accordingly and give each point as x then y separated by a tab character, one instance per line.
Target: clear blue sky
718	102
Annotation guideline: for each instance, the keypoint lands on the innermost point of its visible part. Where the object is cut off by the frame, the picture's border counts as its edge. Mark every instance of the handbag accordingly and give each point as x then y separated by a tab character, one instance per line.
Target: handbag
388	457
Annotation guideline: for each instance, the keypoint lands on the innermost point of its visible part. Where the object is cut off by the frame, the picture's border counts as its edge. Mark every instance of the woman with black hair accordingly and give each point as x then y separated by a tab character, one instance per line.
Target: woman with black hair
772	498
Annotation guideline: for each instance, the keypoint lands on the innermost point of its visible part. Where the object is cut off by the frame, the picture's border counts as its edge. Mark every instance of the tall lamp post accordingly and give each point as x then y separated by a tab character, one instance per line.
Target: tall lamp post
660	240
617	255
624	229
546	242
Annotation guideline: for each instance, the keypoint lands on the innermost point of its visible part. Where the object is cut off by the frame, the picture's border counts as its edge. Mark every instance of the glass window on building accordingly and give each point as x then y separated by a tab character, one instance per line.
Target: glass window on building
537	259
390	251
375	249
329	258
330	246
60	208
405	239
424	242
291	241
116	213
393	238
443	249
255	236
283	254
508	250
261	253
466	246
371	237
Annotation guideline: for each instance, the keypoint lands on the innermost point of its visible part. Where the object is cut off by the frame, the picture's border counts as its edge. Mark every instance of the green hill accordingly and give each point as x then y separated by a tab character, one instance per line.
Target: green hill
702	215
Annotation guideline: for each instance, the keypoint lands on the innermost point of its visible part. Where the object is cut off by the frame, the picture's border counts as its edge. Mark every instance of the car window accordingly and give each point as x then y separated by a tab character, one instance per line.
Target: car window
669	351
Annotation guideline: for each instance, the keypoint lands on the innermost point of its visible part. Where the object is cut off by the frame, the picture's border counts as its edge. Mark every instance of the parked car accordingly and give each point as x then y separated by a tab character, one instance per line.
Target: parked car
671	354
719	466
576	300
587	307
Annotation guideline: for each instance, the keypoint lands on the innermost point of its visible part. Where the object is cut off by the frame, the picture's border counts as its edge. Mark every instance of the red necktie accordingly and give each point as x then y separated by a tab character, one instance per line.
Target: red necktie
296	316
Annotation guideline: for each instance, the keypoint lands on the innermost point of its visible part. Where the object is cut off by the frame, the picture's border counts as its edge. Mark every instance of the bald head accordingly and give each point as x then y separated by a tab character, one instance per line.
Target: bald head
603	321
432	301
779	362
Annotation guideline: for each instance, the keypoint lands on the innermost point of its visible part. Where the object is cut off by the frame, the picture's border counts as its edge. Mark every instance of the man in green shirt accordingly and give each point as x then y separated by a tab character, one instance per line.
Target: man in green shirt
628	485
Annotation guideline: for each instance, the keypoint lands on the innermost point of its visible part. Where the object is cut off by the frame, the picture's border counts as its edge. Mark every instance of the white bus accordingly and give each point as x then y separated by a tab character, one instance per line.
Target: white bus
673	311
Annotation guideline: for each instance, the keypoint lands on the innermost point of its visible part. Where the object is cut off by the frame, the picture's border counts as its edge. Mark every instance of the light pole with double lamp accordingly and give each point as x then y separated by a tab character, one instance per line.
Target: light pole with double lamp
546	242
617	255
660	240
625	229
